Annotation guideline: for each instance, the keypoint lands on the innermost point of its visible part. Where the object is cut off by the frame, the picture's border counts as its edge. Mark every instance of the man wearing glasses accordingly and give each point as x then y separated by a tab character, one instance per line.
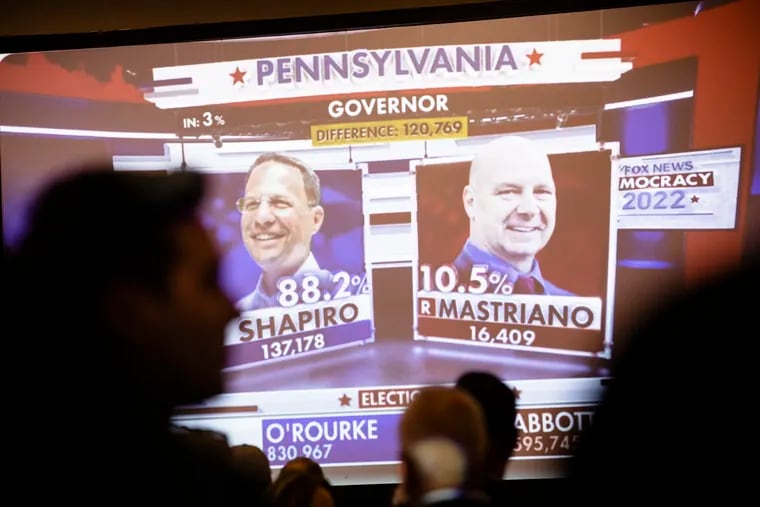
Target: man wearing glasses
280	213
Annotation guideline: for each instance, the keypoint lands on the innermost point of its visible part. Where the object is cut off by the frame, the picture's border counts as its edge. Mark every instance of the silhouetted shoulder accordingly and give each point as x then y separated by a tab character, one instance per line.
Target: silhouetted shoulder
664	421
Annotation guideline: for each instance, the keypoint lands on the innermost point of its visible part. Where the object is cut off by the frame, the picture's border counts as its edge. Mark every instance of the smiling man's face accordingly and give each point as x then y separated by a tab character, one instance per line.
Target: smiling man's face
511	201
278	220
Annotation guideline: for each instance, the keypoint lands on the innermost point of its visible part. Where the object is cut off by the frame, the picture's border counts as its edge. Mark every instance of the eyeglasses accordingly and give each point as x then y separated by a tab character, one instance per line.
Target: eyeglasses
250	204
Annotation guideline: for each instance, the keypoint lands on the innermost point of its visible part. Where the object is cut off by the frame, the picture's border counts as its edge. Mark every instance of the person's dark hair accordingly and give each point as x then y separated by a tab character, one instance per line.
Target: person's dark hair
446	412
297	487
498	403
252	467
310	179
306	464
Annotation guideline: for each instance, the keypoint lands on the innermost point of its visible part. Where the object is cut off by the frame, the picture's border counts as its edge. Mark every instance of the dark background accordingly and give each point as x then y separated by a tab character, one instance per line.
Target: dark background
41	17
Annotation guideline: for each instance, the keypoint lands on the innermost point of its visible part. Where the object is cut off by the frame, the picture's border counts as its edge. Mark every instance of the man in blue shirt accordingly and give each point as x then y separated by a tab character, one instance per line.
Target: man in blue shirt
511	202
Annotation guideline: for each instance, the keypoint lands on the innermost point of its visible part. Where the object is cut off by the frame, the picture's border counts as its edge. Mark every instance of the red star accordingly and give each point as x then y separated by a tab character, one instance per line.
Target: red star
517	393
534	57
237	76
694	198
345	400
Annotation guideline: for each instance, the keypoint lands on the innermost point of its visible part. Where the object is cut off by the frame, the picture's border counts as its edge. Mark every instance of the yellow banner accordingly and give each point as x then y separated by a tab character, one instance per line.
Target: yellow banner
409	129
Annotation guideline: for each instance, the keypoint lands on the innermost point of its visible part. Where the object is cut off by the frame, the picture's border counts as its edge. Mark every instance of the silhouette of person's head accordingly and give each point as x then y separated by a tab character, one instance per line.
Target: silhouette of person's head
252	467
441	424
301	487
306	464
119	269
116	303
498	403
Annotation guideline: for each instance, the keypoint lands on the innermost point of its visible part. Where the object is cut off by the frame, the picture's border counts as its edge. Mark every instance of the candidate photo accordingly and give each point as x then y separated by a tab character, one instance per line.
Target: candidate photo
283	221
532	222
